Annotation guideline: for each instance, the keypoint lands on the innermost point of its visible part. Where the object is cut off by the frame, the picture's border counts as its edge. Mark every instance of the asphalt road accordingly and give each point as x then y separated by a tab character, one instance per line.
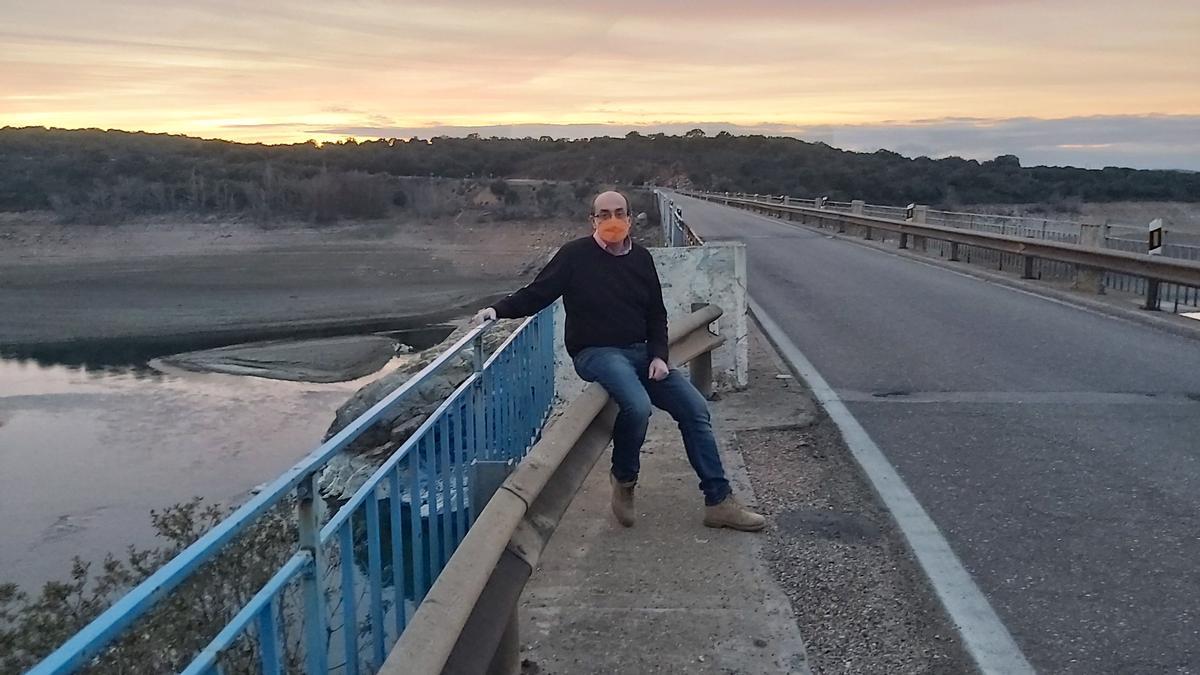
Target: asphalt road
1058	450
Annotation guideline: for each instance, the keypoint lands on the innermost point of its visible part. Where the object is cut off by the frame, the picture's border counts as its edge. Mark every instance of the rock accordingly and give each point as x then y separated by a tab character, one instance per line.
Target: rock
348	470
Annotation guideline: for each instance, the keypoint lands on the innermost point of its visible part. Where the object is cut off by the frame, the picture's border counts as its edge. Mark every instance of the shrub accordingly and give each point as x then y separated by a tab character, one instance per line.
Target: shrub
180	625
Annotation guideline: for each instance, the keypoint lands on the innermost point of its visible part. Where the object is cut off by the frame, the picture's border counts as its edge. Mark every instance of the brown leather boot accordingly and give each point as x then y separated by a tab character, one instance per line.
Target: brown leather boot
622	500
733	514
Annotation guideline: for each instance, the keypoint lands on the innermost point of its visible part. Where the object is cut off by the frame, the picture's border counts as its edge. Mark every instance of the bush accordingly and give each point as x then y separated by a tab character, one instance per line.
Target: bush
180	625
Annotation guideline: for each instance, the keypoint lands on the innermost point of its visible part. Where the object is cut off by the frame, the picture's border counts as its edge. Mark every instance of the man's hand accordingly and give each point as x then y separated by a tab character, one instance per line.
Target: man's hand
484	315
658	369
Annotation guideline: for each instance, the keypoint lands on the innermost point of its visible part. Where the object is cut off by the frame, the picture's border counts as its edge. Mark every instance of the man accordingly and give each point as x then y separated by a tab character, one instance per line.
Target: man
616	333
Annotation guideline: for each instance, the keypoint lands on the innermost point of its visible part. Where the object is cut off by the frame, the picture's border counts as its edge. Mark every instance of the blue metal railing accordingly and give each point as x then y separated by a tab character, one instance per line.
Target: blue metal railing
390	540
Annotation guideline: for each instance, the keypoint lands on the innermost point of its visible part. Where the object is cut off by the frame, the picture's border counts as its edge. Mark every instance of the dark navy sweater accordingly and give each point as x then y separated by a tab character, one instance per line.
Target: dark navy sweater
611	300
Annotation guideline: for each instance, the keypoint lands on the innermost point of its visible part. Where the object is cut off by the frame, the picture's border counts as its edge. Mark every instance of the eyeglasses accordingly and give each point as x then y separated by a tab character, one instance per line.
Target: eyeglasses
605	214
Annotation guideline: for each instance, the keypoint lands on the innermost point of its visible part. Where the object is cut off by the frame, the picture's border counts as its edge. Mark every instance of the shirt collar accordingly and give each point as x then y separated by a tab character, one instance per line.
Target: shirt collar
613	249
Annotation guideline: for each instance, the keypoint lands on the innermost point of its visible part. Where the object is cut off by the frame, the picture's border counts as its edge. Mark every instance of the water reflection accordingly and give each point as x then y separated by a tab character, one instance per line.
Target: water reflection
81	362
92	440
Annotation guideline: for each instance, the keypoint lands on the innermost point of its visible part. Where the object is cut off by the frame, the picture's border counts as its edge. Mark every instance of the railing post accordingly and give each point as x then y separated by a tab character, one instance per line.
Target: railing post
309	527
1027	273
903	240
867	232
954	251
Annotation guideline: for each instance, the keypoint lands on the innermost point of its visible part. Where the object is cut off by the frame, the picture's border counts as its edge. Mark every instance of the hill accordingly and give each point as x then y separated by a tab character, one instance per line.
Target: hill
84	173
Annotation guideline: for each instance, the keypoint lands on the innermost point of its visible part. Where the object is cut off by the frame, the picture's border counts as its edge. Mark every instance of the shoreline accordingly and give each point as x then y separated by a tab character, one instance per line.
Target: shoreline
159	343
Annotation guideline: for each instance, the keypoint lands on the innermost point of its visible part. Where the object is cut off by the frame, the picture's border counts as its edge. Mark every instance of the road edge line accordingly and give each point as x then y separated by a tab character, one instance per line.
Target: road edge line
983	634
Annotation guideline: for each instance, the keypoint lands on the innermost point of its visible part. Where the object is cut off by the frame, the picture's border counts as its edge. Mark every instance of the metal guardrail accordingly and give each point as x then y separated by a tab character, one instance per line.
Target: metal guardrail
1115	236
395	534
675	229
467	623
1154	269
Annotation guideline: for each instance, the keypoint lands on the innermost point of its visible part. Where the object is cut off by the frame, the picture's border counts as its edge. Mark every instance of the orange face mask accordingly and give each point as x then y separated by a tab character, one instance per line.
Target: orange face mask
613	229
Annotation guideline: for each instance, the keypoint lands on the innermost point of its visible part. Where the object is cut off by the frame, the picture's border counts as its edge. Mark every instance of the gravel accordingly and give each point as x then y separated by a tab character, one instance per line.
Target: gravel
862	602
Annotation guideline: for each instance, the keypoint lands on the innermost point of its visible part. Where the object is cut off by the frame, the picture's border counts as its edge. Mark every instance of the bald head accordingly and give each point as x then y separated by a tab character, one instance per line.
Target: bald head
608	203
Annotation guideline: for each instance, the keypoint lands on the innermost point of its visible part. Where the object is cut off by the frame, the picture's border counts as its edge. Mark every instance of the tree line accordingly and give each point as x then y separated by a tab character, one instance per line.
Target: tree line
96	174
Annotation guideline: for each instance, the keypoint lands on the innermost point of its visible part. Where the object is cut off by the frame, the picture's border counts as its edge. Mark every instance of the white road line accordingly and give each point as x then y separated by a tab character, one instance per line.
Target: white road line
983	634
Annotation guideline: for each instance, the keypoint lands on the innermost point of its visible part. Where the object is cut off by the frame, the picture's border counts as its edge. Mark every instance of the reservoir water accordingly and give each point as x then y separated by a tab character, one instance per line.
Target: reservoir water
87	451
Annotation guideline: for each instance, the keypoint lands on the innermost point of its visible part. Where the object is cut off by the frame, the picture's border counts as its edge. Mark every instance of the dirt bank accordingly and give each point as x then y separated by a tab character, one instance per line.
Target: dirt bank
65	284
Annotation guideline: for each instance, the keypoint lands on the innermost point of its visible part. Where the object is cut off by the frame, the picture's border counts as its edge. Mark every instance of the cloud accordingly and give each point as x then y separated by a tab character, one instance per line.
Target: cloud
854	73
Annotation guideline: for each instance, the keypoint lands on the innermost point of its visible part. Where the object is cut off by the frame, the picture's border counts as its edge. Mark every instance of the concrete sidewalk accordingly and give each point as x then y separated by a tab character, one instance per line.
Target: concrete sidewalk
668	595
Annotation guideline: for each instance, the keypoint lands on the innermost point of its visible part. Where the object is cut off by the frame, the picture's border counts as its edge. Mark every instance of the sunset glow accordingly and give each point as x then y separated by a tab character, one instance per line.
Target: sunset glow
277	71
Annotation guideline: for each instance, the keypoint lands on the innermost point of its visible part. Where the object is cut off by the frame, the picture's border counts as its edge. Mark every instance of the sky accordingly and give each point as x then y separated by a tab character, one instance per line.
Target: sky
1083	83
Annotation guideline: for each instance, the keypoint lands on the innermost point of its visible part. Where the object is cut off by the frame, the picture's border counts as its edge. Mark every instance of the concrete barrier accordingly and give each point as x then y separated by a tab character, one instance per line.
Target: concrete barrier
714	273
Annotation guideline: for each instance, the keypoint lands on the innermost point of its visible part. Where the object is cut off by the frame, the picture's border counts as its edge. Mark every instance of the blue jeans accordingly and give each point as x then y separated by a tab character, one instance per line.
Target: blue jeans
624	374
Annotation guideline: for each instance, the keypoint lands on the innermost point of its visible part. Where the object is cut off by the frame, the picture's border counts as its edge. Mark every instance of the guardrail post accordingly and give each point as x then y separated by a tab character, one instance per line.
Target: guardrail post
1153	302
903	240
954	251
1027	273
309	526
857	207
700	368
507	660
1090	279
701	373
867	232
920	212
486	477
